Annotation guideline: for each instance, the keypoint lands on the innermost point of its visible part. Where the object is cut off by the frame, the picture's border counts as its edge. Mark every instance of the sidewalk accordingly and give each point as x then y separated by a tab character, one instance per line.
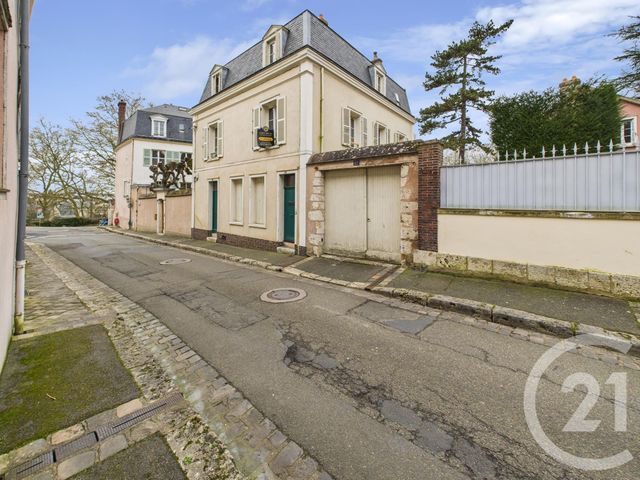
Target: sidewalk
609	313
113	393
556	311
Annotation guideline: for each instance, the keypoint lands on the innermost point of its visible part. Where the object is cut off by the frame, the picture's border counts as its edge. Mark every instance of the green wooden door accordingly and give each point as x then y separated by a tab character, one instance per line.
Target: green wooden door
289	212
214	207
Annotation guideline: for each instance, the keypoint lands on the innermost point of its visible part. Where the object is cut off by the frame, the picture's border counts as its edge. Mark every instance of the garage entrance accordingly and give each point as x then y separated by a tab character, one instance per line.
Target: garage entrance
362	212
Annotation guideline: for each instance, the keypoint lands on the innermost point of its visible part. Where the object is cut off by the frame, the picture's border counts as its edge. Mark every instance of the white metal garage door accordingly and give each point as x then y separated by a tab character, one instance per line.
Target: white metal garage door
362	212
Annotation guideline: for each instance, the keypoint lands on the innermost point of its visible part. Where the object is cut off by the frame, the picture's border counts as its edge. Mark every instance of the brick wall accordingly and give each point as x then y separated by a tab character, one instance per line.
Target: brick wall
429	162
247	242
199	234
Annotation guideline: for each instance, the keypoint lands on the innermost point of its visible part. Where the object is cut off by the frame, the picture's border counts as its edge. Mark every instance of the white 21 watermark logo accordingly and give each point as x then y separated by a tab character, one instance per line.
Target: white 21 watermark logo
578	421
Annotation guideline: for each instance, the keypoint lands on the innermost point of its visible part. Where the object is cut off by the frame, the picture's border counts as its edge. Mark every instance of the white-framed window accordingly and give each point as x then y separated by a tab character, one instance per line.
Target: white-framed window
214	142
355	130
258	201
380	82
236	201
172	156
628	131
380	134
399	137
273	115
270	50
216	83
181	128
158	127
153	157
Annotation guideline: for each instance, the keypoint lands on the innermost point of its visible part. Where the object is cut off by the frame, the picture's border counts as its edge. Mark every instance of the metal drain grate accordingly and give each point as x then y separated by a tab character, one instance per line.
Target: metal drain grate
33	465
90	439
68	449
283	295
136	417
175	261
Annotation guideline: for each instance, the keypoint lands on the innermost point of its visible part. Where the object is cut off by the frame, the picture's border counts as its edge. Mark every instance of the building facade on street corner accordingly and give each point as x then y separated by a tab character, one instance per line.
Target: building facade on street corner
148	137
302	90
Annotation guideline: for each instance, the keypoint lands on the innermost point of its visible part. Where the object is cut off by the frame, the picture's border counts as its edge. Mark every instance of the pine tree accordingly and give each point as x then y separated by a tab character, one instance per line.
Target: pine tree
461	67
630	79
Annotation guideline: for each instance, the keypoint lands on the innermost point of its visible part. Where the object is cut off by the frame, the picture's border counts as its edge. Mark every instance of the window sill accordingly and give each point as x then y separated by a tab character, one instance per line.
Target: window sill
258	225
264	149
216	159
237	224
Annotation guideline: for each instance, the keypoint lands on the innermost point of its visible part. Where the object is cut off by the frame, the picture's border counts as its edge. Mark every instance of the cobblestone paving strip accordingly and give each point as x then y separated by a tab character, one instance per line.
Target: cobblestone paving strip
161	363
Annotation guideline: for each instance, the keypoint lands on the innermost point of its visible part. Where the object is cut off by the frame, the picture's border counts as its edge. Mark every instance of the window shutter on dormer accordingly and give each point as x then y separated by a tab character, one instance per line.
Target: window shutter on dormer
281	115
364	130
220	139
283	43
346	127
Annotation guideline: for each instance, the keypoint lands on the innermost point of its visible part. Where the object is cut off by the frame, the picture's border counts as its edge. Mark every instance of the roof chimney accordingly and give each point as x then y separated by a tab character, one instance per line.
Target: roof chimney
122	109
323	20
376	60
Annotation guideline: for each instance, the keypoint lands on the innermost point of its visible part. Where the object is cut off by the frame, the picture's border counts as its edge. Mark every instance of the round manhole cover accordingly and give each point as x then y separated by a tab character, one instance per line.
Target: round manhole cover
283	295
175	261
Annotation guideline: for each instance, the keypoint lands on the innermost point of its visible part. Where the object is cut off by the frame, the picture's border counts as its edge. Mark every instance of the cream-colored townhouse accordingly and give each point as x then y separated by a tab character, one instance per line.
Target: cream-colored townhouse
301	90
149	136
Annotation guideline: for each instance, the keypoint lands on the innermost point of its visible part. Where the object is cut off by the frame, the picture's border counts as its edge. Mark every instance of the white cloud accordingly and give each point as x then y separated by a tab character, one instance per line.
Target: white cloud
552	22
414	43
181	69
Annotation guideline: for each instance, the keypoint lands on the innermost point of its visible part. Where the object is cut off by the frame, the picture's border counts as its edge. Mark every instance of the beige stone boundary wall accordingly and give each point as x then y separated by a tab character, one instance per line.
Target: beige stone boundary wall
586	251
177	212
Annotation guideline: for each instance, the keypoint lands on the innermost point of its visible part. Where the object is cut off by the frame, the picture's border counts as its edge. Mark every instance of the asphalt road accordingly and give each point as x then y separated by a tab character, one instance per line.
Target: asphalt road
372	391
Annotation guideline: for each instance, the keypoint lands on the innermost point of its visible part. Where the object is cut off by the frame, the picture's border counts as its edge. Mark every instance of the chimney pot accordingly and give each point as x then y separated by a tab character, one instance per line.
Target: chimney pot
122	109
323	20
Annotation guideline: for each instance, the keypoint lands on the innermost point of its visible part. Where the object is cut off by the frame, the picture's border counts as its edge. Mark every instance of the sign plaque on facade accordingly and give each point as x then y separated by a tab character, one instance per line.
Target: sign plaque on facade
266	137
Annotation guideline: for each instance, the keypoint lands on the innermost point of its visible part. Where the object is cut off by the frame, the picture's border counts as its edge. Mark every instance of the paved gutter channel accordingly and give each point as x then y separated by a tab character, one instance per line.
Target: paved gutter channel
162	363
496	314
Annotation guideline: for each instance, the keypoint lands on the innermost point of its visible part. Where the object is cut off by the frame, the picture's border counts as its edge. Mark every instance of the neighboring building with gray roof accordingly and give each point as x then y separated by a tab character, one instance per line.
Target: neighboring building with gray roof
301	90
177	121
153	135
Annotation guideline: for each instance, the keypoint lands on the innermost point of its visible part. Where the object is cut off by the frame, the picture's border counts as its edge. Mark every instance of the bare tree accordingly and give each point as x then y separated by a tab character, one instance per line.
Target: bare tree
97	135
50	151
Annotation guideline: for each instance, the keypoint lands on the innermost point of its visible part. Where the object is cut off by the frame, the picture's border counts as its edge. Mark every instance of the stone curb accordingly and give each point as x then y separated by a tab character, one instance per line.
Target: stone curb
259	449
191	248
492	313
509	316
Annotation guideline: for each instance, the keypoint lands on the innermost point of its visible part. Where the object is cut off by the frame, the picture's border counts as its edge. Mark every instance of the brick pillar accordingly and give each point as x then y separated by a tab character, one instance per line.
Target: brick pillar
429	162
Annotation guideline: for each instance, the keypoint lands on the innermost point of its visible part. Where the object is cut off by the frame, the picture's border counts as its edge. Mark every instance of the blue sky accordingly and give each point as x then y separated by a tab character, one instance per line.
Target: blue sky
163	49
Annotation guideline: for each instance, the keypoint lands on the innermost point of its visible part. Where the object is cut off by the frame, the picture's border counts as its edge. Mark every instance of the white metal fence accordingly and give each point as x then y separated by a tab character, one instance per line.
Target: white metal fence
601	181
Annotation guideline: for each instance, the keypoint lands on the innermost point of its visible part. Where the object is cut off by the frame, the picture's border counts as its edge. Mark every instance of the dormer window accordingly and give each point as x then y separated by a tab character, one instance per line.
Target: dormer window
158	127
216	84
380	82
271	51
273	43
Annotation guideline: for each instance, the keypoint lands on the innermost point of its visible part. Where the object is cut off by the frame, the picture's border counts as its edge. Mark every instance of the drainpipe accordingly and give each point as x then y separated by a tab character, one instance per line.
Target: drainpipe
321	109
23	175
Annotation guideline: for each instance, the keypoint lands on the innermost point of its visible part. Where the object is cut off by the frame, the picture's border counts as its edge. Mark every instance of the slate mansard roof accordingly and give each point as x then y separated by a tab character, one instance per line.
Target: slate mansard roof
138	125
323	40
